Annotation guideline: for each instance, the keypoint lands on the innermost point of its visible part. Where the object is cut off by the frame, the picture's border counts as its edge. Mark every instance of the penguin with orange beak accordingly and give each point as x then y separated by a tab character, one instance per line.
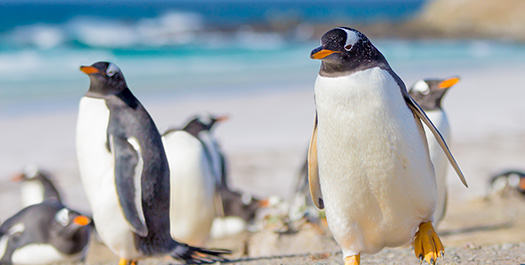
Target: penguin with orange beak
44	233
125	172
429	94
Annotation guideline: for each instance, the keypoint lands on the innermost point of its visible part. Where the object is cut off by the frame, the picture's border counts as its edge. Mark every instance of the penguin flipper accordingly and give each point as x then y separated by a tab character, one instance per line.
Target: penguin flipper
313	170
196	255
419	113
128	177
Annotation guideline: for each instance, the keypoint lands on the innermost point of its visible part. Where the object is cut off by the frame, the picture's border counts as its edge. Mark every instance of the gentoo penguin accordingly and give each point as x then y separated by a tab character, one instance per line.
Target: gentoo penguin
428	94
44	233
36	186
125	172
368	160
192	187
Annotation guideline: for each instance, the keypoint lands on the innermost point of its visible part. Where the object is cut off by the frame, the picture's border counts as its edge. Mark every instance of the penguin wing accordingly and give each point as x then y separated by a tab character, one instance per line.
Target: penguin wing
420	114
128	177
313	170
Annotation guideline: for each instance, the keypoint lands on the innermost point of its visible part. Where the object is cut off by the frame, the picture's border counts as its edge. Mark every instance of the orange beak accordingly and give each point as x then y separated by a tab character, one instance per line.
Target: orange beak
89	70
448	83
222	118
82	220
322	54
17	178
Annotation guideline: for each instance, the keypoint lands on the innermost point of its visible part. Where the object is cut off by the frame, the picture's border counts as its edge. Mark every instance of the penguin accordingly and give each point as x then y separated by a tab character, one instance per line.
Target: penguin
192	187
428	94
203	170
44	233
37	186
508	180
368	161
125	173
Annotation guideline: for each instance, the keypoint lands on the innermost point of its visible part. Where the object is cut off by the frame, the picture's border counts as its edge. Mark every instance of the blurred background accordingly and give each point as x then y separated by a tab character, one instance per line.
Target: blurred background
250	59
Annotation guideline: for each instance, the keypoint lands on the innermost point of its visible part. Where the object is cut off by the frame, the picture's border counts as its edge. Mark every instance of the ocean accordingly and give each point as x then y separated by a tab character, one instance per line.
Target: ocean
204	47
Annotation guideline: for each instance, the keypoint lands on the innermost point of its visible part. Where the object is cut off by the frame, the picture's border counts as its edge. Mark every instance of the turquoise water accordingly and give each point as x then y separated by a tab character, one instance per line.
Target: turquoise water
204	46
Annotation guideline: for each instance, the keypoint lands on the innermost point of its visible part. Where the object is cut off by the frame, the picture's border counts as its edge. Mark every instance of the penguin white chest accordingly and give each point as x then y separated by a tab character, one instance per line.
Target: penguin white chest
32	192
192	188
97	172
375	174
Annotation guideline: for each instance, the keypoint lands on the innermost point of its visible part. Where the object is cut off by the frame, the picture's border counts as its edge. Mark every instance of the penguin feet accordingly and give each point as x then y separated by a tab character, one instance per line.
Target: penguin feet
427	244
353	260
123	261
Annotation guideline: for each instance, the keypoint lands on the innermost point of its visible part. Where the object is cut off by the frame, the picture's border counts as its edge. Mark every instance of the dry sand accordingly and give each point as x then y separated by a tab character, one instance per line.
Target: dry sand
266	141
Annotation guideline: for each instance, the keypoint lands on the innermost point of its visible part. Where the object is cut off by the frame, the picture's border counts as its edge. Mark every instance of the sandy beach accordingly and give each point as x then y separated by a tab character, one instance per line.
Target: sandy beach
266	140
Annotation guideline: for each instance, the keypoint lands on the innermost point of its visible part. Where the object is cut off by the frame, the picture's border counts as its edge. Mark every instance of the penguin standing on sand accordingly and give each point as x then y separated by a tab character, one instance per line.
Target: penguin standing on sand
428	94
44	233
36	186
368	161
192	186
125	173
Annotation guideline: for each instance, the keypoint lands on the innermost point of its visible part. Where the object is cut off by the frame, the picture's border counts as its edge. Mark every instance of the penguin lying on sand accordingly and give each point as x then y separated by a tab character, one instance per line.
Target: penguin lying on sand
125	172
428	94
37	186
368	162
44	233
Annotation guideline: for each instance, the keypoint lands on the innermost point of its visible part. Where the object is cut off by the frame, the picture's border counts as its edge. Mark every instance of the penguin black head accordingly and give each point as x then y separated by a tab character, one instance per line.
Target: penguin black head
67	223
29	173
346	50
106	79
428	93
203	123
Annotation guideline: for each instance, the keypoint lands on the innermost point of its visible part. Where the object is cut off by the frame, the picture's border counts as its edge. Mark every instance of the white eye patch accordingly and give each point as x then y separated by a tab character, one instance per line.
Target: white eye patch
421	87
31	171
62	217
351	38
112	70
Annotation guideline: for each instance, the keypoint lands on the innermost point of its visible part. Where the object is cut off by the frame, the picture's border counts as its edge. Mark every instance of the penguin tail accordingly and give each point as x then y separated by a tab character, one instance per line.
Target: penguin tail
196	255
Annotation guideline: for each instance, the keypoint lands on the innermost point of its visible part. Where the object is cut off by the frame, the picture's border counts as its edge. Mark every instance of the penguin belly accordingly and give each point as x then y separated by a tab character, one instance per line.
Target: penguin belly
376	177
191	188
41	254
96	165
439	160
32	192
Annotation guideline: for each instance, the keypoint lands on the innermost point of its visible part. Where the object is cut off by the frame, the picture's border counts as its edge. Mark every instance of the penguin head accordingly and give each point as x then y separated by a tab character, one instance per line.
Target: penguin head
106	79
30	172
203	122
344	50
429	93
67	223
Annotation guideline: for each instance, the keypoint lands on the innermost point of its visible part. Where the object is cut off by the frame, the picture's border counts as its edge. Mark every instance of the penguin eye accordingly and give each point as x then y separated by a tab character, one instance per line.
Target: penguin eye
348	47
112	70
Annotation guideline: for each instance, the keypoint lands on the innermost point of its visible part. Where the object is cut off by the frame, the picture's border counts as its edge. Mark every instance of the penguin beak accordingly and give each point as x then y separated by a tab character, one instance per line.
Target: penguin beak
82	220
222	118
17	178
89	70
320	53
448	83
